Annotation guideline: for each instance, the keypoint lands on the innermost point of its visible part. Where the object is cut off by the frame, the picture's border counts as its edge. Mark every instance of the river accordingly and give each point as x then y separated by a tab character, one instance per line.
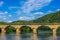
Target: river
27	36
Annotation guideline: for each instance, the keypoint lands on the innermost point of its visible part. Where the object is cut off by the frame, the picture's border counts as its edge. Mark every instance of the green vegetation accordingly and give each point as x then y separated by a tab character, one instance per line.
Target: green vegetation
10	29
44	31
58	31
44	28
19	22
4	23
25	29
49	18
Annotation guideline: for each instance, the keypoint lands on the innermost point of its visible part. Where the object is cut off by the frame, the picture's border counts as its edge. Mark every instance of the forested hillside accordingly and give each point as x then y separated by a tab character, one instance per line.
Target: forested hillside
49	18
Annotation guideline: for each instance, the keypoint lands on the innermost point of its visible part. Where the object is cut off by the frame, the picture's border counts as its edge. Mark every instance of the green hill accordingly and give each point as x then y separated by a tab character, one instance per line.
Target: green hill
49	18
19	22
4	23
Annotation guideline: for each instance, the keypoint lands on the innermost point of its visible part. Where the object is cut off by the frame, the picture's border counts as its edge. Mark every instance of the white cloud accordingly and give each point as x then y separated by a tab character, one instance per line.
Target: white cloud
13	7
57	9
5	12
39	13
26	18
9	21
10	15
4	18
1	3
31	5
50	11
18	12
1	12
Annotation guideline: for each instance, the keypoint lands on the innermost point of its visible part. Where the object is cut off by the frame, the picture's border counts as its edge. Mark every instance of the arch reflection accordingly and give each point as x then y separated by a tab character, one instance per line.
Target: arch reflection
44	31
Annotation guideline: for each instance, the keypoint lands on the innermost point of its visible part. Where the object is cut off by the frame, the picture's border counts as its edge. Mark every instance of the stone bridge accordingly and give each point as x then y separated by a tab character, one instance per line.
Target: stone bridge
32	26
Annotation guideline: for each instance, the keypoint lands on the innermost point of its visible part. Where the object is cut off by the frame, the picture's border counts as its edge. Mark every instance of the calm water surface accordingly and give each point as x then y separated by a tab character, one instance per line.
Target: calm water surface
27	36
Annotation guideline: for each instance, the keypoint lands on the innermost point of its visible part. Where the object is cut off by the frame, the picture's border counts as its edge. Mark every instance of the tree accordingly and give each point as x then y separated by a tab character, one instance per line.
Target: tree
26	29
10	29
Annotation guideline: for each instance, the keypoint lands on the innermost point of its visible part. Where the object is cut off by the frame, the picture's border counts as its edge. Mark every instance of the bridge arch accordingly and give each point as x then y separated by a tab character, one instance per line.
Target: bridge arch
0	30
10	29
58	31
44	28
44	31
25	29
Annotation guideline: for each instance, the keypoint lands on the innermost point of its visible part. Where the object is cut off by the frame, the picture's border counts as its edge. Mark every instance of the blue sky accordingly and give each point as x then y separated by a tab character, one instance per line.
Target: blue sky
12	10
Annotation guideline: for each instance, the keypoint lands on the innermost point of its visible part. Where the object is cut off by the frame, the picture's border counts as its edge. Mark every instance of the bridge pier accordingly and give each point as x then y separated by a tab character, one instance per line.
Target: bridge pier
54	32
34	30
17	30
3	30
34	36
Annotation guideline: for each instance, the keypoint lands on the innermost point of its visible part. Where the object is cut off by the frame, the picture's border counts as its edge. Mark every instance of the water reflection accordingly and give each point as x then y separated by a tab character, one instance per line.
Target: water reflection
17	36
10	36
2	36
27	36
45	35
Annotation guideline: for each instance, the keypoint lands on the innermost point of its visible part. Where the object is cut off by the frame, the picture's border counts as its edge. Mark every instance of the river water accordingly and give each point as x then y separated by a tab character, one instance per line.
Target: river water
27	36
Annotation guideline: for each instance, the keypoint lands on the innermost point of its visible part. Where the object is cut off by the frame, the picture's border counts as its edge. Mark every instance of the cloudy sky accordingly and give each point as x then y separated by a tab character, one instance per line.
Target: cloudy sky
12	10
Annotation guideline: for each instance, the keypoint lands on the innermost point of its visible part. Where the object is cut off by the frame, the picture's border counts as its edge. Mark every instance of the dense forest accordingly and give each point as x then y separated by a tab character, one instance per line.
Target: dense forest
49	18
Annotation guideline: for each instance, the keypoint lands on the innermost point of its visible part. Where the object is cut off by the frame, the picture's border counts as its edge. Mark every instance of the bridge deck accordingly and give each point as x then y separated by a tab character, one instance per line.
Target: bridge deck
34	24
